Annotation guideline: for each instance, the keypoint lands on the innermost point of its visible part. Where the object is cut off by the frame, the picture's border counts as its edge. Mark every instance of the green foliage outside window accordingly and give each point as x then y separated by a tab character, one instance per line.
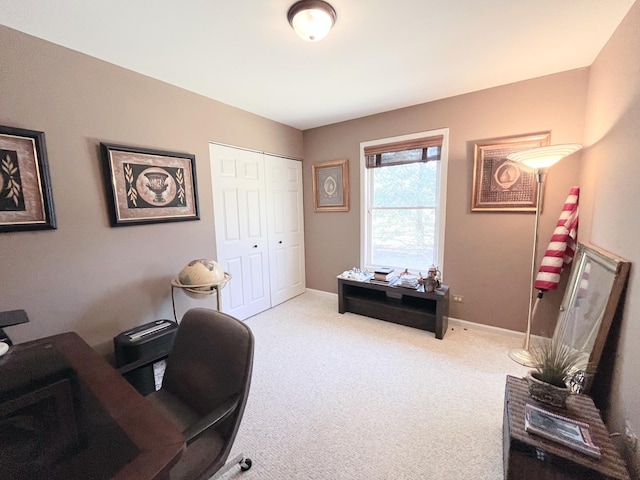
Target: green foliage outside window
404	216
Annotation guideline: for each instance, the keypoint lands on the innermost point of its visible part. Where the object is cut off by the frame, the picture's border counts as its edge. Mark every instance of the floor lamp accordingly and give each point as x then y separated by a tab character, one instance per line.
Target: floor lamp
539	159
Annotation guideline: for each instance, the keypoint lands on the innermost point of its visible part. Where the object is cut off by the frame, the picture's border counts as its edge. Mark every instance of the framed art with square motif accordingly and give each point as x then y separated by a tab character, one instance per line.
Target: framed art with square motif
500	185
149	186
26	200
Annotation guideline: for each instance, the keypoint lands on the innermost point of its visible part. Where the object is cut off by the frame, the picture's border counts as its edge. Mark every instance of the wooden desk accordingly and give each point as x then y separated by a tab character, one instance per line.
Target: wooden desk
121	435
530	457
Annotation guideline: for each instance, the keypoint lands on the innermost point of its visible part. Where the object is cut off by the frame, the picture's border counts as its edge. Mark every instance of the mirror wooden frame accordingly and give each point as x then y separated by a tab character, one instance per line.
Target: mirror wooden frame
578	287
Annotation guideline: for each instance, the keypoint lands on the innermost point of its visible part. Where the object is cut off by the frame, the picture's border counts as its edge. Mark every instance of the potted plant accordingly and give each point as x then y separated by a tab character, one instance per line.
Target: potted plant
554	364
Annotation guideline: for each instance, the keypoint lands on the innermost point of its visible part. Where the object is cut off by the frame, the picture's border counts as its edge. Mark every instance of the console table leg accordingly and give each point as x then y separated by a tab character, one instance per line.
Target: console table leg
341	307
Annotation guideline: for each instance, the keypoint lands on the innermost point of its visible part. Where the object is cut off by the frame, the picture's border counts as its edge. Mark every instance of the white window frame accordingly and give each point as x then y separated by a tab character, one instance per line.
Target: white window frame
366	187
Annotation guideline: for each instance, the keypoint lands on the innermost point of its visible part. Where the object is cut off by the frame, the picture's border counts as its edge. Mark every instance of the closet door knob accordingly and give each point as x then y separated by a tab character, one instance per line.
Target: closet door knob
280	242
255	246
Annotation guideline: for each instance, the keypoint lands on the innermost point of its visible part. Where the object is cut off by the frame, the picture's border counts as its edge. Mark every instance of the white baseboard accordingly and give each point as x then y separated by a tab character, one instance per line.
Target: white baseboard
322	292
456	322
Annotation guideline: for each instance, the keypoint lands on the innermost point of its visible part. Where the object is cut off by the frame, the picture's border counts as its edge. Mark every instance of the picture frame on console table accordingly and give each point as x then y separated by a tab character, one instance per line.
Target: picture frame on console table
26	198
564	430
149	186
331	186
500	185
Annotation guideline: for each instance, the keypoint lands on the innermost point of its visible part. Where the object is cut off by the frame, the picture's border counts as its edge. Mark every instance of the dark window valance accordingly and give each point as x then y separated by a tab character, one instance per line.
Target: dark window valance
408	151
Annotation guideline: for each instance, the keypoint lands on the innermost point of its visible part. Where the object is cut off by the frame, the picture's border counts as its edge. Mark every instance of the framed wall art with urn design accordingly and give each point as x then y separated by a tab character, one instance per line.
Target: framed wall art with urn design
26	201
331	186
149	186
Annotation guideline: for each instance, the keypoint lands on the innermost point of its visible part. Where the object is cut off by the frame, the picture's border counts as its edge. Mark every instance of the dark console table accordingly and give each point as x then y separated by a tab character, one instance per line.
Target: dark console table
530	457
406	306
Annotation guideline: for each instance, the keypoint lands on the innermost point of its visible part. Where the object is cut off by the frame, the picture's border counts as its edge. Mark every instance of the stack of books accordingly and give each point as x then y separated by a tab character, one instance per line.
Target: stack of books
408	281
384	276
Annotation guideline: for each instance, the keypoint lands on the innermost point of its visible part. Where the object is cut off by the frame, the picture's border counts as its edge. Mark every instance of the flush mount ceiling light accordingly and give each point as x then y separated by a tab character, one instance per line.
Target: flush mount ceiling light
312	19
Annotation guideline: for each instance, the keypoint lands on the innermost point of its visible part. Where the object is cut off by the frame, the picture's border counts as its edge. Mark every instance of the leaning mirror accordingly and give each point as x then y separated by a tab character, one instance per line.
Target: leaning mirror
589	305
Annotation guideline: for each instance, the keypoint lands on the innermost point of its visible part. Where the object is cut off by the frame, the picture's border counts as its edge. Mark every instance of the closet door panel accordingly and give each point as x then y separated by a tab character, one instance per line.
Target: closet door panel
237	178
257	265
255	215
231	214
234	298
286	228
296	267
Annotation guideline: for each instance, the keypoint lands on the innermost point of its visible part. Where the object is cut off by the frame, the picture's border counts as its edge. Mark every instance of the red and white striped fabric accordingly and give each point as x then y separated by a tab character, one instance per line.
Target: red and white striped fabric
562	246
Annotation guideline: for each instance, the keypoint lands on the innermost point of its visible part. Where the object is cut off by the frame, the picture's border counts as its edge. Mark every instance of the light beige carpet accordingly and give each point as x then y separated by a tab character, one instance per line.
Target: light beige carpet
350	397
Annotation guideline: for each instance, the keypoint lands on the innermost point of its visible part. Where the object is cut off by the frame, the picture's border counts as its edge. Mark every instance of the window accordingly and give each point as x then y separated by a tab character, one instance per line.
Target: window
403	201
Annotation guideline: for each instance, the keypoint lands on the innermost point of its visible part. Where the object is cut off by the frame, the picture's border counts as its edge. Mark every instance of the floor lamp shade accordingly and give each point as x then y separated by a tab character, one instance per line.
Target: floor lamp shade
544	157
540	159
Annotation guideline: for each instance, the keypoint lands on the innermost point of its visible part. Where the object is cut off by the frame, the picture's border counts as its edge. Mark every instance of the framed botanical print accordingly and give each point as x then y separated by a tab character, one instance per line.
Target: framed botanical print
331	186
26	200
149	186
499	184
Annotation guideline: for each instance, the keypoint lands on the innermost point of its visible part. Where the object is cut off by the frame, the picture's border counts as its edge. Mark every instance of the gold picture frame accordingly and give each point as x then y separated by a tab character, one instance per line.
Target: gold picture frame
26	199
331	186
500	185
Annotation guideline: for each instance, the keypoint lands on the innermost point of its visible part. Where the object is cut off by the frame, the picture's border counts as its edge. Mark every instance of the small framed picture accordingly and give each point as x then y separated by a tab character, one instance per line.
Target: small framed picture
500	185
149	186
331	186
26	201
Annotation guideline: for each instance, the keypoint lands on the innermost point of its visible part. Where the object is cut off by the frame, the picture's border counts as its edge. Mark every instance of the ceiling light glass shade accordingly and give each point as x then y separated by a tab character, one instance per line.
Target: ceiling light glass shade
311	19
544	157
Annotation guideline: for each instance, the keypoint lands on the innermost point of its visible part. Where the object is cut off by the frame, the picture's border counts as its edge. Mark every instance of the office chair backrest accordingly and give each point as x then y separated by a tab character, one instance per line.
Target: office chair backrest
210	362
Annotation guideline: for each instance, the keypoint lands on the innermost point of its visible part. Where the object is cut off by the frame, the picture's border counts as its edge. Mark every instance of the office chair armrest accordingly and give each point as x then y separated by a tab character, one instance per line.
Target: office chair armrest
213	418
142	362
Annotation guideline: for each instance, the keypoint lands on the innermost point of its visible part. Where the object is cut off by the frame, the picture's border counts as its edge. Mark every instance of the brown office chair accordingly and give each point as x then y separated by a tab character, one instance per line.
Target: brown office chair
205	389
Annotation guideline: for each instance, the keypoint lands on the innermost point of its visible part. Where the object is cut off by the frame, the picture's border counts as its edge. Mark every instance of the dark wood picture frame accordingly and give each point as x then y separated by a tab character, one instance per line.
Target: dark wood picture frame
331	186
149	186
500	185
26	199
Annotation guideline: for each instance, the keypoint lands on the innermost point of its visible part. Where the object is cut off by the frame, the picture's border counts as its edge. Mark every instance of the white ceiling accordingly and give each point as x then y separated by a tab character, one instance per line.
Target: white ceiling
381	55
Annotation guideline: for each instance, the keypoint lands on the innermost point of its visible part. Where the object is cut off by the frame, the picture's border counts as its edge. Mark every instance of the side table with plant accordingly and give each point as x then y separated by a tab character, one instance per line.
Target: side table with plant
555	363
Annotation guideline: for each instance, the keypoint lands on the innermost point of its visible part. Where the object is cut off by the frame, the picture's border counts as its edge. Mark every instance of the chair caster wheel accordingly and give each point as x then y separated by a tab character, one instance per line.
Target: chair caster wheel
245	464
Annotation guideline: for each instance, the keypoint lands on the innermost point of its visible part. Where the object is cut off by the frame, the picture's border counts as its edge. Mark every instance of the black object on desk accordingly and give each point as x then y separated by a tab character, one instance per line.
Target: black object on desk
8	319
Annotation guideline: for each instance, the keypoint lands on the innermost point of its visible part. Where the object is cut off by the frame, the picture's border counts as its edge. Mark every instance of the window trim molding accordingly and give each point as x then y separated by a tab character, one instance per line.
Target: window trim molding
365	188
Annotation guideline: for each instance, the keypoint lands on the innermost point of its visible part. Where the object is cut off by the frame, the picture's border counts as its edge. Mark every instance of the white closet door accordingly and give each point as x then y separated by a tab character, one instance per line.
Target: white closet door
239	204
286	228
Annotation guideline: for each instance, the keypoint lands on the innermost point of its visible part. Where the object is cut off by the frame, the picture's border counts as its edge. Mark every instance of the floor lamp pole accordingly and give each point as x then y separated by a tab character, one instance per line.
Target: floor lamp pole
540	159
523	355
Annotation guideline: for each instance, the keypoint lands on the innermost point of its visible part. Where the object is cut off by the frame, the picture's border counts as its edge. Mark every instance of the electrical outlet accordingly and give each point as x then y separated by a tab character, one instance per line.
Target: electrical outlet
629	436
458	298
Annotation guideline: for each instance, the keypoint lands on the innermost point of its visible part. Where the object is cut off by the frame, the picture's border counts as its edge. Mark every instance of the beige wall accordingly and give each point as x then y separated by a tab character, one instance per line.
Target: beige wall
97	280
86	276
610	173
487	255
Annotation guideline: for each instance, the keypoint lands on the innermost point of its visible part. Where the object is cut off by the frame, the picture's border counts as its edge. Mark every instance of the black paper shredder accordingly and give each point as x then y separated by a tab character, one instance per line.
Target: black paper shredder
151	340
